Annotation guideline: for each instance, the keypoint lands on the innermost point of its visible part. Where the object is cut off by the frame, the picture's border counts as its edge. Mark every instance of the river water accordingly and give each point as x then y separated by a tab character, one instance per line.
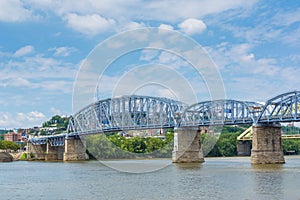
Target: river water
217	178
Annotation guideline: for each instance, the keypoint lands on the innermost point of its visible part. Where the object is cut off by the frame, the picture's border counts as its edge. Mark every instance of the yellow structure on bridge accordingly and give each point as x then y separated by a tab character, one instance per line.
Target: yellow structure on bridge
247	135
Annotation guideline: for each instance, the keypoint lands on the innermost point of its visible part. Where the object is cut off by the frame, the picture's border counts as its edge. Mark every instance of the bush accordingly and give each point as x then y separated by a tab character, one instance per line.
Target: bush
23	156
6	145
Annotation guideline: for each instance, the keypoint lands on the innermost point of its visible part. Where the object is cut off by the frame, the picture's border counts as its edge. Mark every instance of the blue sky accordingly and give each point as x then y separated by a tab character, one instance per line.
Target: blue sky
255	45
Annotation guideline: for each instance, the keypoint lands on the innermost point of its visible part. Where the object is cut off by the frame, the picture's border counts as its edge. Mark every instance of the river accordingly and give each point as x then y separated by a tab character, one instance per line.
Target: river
217	178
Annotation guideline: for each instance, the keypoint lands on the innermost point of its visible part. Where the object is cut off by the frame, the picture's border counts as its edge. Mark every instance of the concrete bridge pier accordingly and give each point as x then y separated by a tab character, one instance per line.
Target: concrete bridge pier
54	152
244	148
266	144
187	146
36	152
75	149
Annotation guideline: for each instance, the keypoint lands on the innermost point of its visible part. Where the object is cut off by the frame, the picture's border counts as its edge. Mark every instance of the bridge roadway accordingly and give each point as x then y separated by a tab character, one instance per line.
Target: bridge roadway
144	112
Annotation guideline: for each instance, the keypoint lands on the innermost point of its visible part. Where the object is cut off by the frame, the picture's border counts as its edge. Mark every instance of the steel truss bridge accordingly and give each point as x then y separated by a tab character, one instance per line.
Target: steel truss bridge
144	112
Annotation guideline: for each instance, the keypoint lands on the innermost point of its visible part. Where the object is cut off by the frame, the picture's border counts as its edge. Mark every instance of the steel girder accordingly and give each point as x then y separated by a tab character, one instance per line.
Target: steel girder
144	112
127	113
282	108
221	112
53	140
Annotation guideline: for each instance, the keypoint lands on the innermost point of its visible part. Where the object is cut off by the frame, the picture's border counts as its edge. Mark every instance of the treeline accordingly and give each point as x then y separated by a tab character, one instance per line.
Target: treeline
117	146
223	144
291	146
57	121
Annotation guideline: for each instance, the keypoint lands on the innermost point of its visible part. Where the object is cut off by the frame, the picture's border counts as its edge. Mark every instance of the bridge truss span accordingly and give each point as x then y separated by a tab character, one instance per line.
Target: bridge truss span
144	112
282	108
127	113
221	112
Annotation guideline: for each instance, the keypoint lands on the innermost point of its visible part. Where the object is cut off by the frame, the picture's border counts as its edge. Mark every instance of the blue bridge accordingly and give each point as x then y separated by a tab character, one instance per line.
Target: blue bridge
144	112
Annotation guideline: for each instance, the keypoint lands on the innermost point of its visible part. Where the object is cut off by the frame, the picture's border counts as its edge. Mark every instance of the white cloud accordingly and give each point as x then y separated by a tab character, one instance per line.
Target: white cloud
168	58
240	58
90	25
21	120
24	51
16	82
287	18
55	111
166	26
250	77
93	16
192	26
63	51
13	11
36	72
137	10
148	54
130	25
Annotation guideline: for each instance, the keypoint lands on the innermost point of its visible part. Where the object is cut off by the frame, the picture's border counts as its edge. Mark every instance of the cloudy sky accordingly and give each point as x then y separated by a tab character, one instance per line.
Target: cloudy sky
254	44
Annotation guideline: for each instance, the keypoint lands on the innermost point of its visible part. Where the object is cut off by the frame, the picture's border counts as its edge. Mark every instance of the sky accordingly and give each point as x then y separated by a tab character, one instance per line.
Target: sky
254	44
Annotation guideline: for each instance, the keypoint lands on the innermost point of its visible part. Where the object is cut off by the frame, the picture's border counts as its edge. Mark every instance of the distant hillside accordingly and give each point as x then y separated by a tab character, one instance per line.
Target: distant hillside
55	125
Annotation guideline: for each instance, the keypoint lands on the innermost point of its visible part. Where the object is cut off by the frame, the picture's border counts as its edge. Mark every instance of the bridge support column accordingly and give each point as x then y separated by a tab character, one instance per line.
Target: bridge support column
266	144
244	148
75	149
54	152
36	152
187	146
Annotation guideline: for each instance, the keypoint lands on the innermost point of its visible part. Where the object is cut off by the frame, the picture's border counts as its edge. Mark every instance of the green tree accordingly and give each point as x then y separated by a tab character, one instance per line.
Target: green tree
209	145
291	145
226	142
4	144
154	144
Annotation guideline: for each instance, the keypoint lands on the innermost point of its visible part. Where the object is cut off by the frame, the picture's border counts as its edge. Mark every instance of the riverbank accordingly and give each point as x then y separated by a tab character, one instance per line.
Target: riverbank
10	156
6	157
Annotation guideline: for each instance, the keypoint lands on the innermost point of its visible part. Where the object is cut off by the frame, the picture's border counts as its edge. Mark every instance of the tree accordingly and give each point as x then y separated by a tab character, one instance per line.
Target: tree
6	145
291	145
154	144
208	145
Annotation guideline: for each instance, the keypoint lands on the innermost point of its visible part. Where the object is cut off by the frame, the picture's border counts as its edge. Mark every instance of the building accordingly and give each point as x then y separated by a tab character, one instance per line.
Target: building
16	136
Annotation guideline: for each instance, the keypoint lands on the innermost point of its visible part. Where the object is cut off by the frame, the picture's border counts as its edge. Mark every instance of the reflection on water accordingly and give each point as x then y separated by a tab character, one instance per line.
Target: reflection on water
268	181
217	178
267	167
188	166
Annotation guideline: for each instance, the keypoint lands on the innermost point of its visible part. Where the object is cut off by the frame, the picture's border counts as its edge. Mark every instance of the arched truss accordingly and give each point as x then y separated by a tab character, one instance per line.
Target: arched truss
221	112
282	108
127	113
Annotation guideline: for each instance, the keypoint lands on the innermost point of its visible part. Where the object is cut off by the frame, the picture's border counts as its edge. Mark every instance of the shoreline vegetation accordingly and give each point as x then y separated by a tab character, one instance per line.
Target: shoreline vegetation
115	146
